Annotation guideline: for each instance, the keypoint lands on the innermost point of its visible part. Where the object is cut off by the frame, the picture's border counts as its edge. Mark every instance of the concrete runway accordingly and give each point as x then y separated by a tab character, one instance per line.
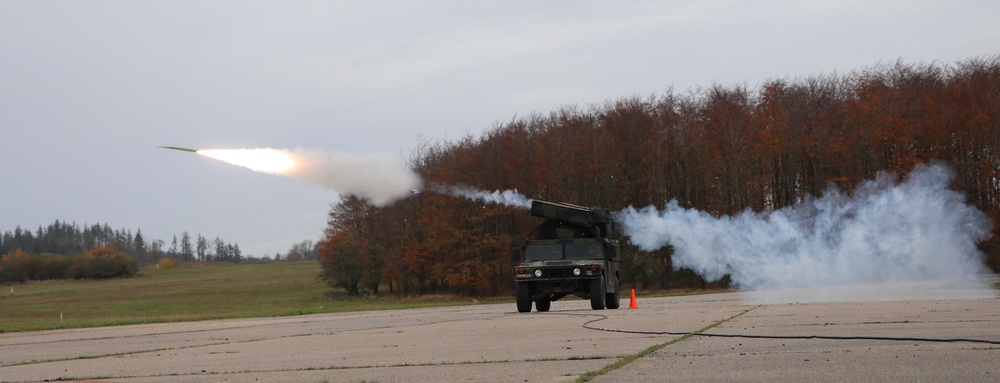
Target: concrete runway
493	343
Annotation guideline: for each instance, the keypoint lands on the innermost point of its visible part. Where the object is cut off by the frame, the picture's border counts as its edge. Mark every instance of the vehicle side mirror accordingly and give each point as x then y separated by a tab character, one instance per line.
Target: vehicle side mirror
611	251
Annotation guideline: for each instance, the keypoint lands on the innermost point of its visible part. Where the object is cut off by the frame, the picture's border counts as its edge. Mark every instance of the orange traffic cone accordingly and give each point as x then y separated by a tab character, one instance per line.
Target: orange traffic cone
632	304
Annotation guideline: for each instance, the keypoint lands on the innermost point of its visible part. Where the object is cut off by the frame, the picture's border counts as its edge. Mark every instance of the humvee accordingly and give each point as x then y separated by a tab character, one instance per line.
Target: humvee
574	251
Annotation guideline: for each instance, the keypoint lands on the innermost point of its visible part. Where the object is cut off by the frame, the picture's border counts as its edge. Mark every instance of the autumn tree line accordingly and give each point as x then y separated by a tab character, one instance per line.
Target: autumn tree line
64	250
720	149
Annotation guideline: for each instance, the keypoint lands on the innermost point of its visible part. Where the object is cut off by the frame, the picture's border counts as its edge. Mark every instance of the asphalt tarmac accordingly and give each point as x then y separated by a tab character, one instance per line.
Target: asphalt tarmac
939	340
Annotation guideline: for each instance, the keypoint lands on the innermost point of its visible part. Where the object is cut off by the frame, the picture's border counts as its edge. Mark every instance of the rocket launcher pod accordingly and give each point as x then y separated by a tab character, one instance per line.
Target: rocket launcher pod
588	217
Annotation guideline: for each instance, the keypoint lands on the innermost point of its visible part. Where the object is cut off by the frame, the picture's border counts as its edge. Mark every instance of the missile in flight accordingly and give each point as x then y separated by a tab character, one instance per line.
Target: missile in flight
179	148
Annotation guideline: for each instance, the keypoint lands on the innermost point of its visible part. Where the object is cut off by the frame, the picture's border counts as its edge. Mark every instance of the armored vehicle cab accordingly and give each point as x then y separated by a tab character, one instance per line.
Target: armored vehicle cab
574	251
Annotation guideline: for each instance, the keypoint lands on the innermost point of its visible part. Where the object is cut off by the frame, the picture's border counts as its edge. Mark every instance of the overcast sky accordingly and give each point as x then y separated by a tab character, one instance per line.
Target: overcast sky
89	89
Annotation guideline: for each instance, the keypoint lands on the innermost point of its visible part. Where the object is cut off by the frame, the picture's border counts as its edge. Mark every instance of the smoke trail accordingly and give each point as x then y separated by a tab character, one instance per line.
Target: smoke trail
379	178
507	197
885	232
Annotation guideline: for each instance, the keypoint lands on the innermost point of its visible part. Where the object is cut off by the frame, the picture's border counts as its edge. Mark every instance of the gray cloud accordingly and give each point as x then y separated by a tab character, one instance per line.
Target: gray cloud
89	89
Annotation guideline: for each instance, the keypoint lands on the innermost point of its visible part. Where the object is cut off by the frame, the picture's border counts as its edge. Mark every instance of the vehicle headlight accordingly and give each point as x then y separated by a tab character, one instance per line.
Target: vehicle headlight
538	273
577	271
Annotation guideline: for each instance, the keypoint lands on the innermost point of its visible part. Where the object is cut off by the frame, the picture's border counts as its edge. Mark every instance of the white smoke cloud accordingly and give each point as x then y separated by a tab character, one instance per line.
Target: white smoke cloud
509	198
917	230
379	178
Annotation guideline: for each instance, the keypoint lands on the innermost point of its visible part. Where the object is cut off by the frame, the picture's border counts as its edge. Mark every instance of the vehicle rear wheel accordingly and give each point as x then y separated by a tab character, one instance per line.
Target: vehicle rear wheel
597	293
613	299
523	297
543	303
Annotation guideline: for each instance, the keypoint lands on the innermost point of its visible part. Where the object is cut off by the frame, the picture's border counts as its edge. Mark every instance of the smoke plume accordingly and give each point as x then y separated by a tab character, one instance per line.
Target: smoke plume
379	178
883	235
509	198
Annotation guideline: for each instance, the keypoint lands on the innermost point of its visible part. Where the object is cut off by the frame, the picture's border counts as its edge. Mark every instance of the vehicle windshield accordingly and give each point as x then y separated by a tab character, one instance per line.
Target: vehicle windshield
584	251
544	252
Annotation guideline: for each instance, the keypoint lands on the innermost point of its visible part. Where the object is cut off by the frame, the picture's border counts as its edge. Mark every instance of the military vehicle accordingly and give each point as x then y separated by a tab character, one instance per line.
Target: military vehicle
574	251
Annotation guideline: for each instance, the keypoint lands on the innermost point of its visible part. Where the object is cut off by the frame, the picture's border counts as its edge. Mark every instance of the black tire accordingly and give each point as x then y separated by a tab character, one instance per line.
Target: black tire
543	303
597	293
523	297
613	299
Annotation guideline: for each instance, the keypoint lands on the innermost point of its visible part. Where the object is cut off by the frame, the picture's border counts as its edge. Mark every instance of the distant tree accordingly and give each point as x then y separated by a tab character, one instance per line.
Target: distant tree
342	266
304	250
156	249
174	250
202	246
69	239
351	259
234	253
187	250
140	249
221	252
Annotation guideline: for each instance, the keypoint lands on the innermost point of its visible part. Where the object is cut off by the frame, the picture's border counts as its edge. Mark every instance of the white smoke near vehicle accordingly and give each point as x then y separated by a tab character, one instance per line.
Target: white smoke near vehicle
379	178
510	198
875	244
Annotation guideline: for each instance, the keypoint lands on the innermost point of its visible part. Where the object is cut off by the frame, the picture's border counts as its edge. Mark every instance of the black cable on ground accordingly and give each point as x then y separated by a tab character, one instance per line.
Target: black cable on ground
588	326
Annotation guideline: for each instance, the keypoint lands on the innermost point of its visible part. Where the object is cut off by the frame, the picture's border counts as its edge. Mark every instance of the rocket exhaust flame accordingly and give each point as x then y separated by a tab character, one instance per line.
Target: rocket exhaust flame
267	160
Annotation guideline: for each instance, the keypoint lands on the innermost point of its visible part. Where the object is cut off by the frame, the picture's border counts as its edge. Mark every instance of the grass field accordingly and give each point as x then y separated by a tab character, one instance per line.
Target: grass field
185	294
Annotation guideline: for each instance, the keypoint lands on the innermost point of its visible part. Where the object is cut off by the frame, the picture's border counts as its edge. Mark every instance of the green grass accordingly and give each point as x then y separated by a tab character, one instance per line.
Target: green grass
186	294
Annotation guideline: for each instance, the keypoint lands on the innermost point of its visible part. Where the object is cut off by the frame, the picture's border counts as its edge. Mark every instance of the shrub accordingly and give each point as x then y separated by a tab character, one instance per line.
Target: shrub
103	262
165	263
14	267
49	266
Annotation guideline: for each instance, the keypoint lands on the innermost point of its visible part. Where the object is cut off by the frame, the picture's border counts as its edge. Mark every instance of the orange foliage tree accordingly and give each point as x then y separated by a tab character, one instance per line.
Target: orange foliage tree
718	149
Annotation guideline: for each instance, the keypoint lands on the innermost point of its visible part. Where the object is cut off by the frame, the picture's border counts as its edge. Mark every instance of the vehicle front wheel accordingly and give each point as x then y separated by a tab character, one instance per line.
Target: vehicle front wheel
597	293
523	297
543	303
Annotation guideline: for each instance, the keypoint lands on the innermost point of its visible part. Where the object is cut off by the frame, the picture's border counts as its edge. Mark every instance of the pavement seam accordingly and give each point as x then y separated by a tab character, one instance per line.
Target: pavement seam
134	352
329	368
631	358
